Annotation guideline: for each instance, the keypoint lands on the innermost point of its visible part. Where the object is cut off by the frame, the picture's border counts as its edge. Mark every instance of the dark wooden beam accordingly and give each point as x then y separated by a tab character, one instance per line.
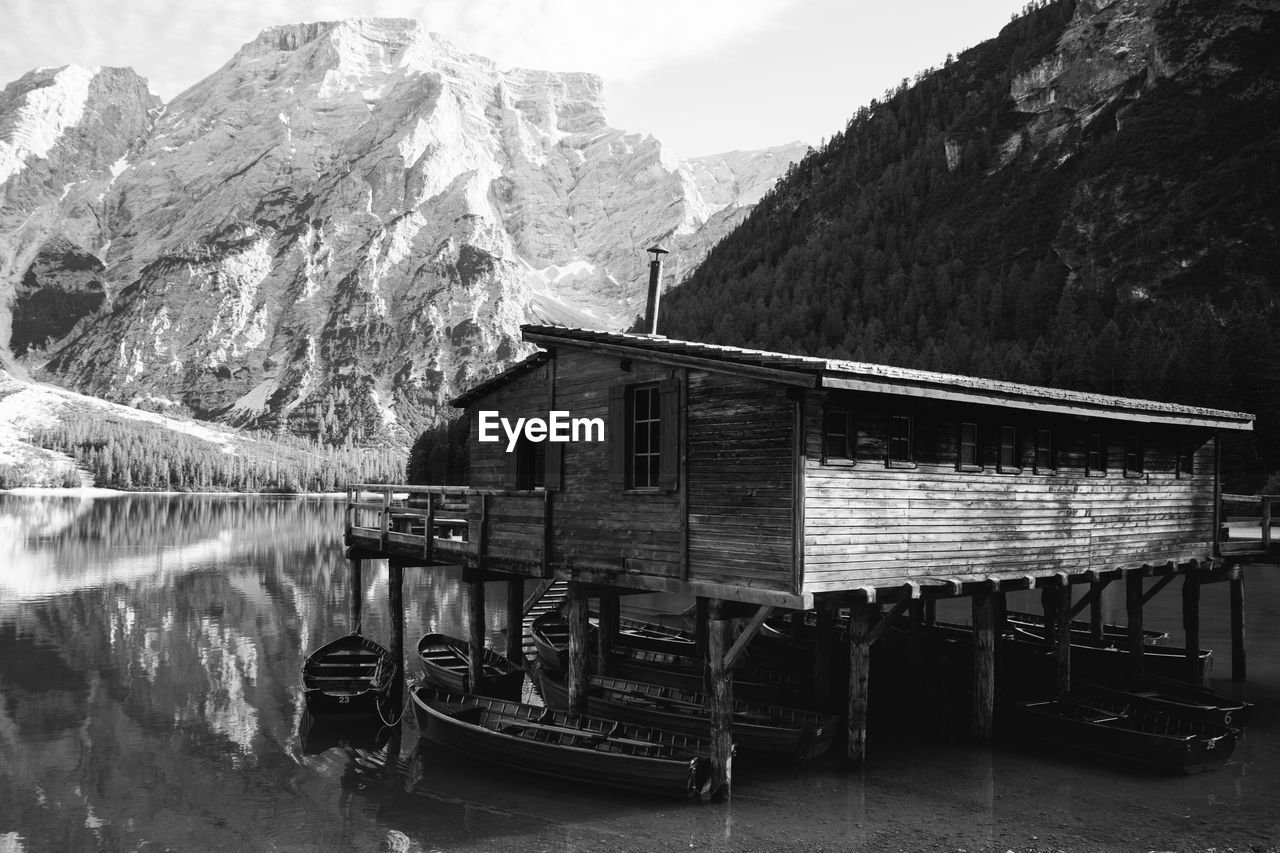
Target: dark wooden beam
475	630
721	678
1062	636
607	634
748	634
860	618
1191	624
881	626
357	592
395	611
578	651
984	665
823	640
1156	587
515	620
1095	608
1238	669
1094	595
1133	605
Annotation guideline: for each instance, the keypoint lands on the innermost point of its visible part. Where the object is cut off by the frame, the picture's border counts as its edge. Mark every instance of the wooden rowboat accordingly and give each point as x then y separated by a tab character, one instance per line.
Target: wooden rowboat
446	664
685	672
1145	736
1175	698
1111	632
759	729
552	743
347	679
1107	661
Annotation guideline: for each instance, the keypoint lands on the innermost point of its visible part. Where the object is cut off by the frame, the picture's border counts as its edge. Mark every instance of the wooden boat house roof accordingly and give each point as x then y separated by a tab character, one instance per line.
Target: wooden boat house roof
814	372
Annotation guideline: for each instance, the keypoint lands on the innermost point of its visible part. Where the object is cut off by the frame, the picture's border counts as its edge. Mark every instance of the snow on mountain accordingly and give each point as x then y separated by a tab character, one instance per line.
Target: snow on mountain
335	232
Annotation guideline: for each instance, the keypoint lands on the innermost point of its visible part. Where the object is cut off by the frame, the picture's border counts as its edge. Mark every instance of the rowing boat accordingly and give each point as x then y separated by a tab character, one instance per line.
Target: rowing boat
562	745
1143	735
759	729
446	664
1176	698
347	679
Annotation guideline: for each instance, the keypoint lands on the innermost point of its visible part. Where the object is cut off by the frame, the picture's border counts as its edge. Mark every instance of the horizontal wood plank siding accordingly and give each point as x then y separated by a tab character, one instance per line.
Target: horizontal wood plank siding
868	520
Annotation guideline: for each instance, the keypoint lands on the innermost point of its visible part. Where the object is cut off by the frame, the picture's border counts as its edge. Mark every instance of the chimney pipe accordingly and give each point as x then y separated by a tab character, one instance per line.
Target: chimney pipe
655	289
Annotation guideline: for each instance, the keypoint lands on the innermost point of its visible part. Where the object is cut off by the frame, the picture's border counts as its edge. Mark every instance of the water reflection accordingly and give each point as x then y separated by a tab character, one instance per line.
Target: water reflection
149	697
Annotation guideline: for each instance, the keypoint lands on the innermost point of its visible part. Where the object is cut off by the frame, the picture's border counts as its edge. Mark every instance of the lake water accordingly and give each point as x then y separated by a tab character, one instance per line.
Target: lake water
150	700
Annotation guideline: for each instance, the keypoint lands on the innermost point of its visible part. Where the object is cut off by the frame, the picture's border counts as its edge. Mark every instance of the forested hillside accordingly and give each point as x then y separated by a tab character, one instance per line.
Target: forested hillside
1089	200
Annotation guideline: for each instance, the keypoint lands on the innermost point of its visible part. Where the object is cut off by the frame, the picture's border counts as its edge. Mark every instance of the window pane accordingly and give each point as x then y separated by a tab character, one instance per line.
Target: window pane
1008	447
641	405
900	438
968	444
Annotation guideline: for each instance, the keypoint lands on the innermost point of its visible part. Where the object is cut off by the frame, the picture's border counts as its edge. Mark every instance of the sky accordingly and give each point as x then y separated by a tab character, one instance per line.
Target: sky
703	76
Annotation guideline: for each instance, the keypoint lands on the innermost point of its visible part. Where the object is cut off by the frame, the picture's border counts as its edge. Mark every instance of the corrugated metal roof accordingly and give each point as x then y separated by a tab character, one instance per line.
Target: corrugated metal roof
865	376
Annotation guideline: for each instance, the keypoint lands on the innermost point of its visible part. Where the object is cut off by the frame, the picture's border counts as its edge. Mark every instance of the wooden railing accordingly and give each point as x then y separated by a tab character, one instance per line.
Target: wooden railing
446	523
1248	532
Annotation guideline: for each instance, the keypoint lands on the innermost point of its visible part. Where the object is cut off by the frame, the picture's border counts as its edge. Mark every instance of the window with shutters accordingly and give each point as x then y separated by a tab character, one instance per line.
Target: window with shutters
644	430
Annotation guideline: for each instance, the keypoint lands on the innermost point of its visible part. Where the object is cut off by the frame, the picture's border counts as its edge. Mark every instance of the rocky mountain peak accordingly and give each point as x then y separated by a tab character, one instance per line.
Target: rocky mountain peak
343	227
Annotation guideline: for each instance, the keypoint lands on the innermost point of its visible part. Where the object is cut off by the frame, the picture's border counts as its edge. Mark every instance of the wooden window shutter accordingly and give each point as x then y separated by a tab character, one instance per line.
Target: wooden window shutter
555	460
617	435
669	458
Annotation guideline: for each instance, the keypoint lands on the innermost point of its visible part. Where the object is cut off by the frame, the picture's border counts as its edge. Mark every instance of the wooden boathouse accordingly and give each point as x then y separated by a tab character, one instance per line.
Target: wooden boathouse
759	482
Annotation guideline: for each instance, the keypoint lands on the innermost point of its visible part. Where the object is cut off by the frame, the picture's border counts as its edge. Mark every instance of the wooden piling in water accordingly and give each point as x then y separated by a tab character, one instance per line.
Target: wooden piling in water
984	664
1095	608
822	651
860	614
1236	584
1061	600
515	620
395	609
578	651
607	634
1133	606
721	679
1191	624
475	630
357	591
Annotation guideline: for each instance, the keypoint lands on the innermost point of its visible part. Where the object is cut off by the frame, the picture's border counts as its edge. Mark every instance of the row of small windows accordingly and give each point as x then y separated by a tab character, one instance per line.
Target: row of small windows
839	442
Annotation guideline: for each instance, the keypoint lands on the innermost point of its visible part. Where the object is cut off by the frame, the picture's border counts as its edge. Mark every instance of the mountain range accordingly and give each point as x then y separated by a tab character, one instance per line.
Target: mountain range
335	232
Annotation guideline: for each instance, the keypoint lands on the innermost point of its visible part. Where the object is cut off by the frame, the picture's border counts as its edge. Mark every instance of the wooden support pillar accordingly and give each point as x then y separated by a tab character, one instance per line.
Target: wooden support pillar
395	608
1236	582
930	612
1049	612
822	650
578	652
607	636
721	679
357	593
1095	609
860	616
1133	606
984	665
797	624
1191	624
700	608
475	631
915	645
515	620
1062	636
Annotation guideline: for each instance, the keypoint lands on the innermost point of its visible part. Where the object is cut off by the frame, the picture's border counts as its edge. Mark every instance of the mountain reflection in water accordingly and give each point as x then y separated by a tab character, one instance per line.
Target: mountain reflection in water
150	698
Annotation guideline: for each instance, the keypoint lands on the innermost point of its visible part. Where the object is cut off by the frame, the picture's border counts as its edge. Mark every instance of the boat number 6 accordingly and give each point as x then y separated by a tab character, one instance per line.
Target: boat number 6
1227	718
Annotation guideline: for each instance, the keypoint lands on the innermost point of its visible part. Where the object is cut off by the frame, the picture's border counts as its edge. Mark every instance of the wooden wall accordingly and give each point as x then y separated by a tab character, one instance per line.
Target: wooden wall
730	519
742	463
868	521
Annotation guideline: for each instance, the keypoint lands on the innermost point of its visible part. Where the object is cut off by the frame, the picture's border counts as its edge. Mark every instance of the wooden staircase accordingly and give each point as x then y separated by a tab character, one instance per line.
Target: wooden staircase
550	595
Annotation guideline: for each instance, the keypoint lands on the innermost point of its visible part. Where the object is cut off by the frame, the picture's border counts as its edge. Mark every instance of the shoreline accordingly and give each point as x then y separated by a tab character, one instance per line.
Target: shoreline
103	492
